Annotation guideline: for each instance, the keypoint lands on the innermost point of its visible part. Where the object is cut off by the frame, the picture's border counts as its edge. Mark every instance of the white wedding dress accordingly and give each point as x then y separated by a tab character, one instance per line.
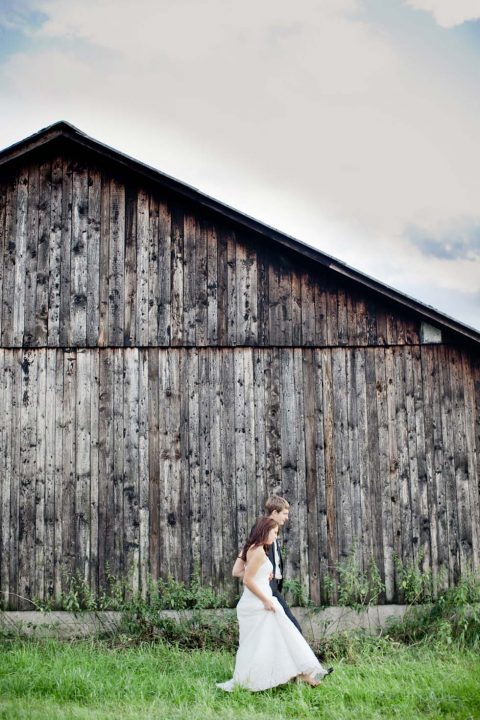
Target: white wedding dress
271	650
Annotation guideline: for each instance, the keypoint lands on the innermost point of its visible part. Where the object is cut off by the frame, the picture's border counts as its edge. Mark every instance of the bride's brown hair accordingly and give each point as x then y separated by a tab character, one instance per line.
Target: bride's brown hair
258	535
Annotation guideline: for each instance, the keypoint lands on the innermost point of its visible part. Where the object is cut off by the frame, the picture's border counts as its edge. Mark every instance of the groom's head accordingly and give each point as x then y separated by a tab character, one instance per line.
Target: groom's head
277	508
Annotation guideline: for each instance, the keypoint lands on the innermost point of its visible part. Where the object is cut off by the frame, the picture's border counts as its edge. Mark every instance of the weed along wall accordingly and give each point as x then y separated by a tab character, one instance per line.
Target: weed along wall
165	363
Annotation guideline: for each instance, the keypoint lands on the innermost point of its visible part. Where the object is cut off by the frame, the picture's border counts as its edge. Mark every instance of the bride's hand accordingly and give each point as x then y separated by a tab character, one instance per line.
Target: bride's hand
269	605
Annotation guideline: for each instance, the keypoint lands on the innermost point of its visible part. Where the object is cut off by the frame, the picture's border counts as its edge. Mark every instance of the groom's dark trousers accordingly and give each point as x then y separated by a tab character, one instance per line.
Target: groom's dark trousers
276	585
281	600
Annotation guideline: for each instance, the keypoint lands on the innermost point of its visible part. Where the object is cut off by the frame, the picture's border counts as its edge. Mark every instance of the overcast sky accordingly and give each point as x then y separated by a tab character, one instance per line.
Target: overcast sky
353	125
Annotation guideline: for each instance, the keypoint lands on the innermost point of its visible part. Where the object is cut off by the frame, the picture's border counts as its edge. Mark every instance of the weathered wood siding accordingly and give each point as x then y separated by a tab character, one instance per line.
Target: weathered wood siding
148	460
90	260
161	372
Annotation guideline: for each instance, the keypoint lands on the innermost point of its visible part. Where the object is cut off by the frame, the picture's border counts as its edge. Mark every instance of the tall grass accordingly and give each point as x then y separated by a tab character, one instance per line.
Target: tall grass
86	680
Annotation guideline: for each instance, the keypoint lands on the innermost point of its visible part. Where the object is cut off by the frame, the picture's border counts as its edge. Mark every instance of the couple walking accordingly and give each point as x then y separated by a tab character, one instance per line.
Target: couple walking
272	649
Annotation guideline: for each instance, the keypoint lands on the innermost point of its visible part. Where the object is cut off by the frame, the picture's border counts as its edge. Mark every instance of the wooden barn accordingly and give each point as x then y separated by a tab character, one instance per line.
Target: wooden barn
166	362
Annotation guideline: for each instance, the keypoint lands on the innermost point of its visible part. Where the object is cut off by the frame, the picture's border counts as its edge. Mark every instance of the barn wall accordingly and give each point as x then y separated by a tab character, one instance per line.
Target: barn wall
150	460
88	259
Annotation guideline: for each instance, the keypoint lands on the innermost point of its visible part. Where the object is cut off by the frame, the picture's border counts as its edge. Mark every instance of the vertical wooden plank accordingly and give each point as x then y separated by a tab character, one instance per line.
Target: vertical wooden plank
196	511
55	253
313	527
402	455
40	476
6	474
154	462
308	308
263	295
329	438
222	288
9	262
246	279
201	283
251	494
367	483
116	552
320	311
445	424
78	297
58	476
342	465
187	444
273	423
473	476
434	464
92	498
301	486
360	518
65	252
383	383
93	255
220	563
143	467
424	474
242	292
288	422
280	300
332	314
371	322
370	442
464	509
393	460
143	214
131	519
20	258
103	317
212	285
153	273
105	466
351	312
68	477
259	370
31	253
44	214
171	455
16	477
177	276
116	258
240	459
205	469
82	476
321	450
342	317
28	463
365	326
189	280
297	335
233	535
413	454
132	198
164	273
231	294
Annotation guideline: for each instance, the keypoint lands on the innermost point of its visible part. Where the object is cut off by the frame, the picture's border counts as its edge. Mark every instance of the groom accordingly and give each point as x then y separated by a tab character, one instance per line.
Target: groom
276	508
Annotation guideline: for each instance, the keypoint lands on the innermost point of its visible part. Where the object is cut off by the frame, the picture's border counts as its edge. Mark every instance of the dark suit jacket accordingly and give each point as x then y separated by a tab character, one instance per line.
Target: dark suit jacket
271	557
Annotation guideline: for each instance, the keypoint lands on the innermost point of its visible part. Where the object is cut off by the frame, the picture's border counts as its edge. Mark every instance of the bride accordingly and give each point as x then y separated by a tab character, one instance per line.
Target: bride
271	650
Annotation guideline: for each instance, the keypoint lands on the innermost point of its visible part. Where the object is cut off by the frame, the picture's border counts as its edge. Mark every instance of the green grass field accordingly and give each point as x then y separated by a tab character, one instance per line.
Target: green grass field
49	680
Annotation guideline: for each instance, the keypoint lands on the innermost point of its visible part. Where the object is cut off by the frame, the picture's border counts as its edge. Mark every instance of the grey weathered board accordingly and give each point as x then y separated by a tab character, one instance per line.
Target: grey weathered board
90	260
134	446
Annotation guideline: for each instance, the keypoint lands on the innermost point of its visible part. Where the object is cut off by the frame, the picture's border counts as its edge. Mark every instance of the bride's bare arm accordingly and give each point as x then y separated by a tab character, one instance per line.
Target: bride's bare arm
238	568
255	558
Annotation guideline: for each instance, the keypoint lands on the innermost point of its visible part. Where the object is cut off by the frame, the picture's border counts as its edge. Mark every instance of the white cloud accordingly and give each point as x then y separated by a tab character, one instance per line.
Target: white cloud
449	13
